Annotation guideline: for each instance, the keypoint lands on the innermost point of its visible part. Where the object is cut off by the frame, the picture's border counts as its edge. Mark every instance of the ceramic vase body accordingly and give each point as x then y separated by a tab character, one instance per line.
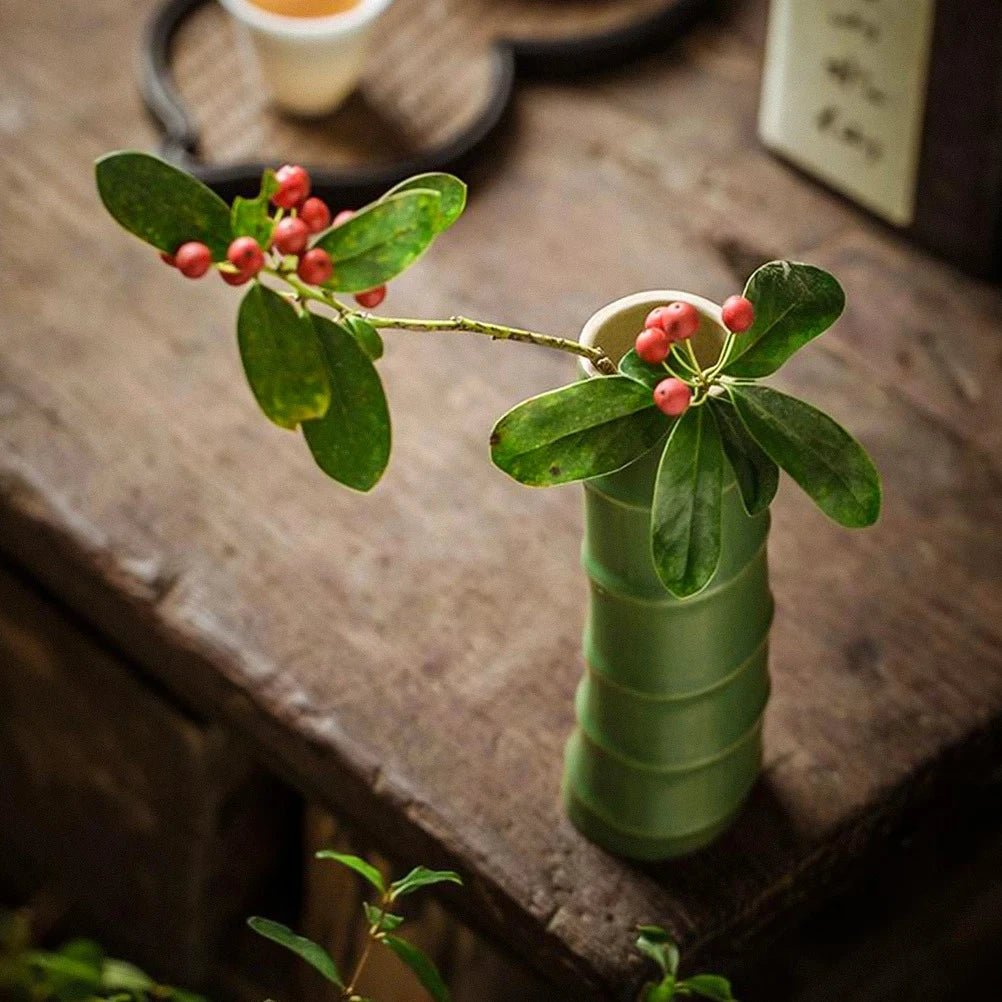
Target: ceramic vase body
668	741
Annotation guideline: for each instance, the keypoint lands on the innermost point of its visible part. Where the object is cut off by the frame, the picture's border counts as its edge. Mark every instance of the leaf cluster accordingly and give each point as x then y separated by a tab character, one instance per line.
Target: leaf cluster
655	944
382	921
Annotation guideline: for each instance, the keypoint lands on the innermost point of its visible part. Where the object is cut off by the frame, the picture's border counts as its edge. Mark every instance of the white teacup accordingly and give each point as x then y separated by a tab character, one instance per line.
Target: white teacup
309	64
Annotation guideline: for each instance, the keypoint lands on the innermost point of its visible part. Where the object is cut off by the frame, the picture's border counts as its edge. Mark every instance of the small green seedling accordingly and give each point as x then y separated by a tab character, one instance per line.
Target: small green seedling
655	944
381	925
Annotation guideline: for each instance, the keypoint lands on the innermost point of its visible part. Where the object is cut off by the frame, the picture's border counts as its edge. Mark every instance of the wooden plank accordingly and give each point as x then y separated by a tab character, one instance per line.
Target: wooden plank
409	658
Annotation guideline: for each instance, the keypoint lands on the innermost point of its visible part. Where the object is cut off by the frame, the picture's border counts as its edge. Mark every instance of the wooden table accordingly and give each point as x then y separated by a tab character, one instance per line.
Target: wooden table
409	658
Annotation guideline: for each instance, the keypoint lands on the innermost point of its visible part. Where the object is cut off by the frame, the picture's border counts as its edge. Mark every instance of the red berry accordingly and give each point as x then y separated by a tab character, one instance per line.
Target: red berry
193	259
293	186
371	298
657	318
235	277
315	266
652	345
168	259
682	321
672	397
245	255
342	217
290	235
738	314
315	214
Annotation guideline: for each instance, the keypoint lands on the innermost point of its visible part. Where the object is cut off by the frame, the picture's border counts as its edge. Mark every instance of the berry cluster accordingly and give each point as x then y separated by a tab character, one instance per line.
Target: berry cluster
290	236
667	325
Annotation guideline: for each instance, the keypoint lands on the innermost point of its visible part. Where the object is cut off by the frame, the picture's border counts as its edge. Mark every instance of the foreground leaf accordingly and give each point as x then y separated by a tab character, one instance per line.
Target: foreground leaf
450	188
421	876
282	358
663	992
368	338
583	430
313	953
384	921
422	967
381	240
819	454
632	365
161	204
685	517
359	865
710	986
794	303
351	442
249	216
757	475
655	944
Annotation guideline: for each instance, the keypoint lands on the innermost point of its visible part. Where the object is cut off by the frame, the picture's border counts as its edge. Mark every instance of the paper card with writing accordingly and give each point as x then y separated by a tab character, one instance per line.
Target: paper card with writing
844	95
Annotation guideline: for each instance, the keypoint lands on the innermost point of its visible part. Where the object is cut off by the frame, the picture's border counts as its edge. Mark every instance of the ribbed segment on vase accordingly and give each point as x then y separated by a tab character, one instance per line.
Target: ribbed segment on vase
668	742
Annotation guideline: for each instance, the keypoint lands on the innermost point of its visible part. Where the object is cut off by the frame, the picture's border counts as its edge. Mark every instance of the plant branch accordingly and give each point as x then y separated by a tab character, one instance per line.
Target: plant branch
349	990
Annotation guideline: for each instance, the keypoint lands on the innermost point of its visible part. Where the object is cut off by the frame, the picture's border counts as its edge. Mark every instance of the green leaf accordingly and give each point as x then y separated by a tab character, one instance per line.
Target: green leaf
757	475
360	866
451	189
820	455
314	954
635	368
282	358
161	204
422	967
381	240
72	974
351	442
385	921
583	430
685	517
794	303
368	338
710	986
655	943
249	216
421	876
121	976
663	992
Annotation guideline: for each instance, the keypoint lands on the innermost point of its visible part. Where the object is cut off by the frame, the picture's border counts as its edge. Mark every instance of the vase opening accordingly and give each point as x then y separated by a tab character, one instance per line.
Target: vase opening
614	328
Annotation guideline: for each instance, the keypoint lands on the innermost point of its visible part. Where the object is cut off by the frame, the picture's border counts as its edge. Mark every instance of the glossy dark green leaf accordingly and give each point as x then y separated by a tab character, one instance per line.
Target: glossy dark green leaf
757	475
655	944
420	877
685	517
794	303
313	953
710	986
162	205
582	430
819	454
368	338
360	866
381	240
421	965
451	189
282	358
384	921
249	216
351	442
635	368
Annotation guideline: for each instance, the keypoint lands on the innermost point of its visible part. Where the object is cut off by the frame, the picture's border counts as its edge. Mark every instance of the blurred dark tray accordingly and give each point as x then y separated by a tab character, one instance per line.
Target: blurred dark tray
437	87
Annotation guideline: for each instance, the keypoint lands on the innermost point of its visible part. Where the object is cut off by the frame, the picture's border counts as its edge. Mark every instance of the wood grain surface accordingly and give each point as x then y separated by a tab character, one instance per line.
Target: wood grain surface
409	658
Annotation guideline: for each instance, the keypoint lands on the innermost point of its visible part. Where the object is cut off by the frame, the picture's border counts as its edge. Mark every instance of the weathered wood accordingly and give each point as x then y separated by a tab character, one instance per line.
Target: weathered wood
409	658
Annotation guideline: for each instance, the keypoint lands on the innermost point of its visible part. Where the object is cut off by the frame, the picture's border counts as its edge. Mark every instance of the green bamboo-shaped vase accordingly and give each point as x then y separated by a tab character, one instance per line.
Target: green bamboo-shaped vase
668	741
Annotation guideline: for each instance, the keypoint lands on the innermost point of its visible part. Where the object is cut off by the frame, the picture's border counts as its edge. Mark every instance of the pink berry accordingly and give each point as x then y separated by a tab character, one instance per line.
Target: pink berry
193	259
342	217
290	235
657	318
315	214
738	314
235	277
371	298
168	259
682	321
652	345
293	186
315	266
672	397
246	256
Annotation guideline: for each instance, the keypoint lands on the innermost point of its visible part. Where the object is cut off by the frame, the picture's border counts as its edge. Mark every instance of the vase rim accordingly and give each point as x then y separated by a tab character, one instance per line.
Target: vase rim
639	300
